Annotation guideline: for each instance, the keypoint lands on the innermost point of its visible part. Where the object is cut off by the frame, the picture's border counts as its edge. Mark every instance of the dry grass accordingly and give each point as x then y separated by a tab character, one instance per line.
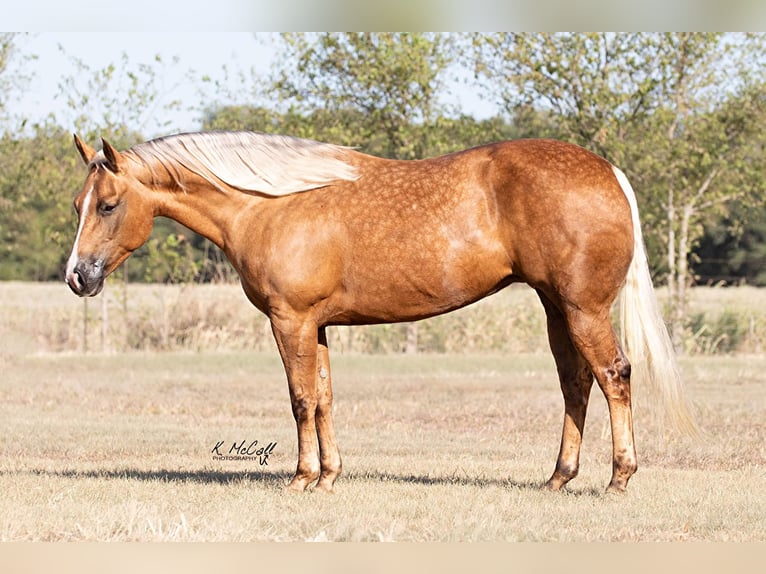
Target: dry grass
442	448
219	318
452	447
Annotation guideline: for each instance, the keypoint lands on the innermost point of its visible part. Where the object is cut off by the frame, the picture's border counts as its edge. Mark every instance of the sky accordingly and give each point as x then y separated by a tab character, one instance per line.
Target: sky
204	53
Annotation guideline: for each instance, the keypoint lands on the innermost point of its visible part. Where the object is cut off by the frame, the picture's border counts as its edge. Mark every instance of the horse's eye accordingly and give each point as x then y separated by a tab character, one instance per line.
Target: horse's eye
106	208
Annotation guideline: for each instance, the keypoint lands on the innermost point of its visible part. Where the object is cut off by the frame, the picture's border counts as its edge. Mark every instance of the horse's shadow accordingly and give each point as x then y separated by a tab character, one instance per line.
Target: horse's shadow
278	479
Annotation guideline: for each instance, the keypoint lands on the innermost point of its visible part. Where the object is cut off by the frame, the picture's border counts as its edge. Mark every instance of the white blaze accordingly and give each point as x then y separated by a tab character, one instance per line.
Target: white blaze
74	257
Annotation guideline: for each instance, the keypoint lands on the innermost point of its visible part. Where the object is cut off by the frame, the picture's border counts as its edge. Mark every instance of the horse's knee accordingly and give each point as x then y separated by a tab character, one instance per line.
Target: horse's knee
304	408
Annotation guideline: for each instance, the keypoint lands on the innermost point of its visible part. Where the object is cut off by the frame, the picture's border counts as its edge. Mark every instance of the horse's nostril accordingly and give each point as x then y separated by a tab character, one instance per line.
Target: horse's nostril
76	280
86	278
79	279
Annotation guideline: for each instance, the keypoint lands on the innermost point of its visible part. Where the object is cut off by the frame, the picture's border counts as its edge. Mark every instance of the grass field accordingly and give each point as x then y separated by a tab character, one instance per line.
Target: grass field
440	448
119	446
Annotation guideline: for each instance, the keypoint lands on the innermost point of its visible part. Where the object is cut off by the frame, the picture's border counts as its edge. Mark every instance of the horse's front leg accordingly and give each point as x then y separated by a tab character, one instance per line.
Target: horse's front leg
296	339
303	348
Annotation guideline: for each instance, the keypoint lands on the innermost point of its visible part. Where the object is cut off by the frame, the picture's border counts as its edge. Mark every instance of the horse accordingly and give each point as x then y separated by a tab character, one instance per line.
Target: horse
325	235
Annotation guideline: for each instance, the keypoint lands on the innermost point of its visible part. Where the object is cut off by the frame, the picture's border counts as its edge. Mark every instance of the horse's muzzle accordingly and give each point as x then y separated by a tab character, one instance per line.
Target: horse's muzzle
86	278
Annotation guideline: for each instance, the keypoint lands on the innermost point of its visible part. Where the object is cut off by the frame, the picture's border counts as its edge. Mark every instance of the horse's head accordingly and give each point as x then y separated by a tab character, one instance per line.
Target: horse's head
115	218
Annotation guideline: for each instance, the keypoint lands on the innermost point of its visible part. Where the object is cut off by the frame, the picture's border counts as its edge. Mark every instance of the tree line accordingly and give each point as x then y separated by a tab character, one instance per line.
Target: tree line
681	113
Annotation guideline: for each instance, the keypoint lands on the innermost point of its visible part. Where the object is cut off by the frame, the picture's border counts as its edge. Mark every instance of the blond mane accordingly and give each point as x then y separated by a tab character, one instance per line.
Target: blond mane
249	161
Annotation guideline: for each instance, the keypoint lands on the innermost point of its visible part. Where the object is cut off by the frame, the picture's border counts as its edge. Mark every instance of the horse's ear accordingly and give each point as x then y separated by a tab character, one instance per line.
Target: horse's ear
114	160
86	152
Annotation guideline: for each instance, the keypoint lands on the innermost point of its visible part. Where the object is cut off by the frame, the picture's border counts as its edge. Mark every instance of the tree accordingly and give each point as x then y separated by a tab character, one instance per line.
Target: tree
702	149
682	113
599	86
122	101
10	79
6	46
732	253
389	82
36	217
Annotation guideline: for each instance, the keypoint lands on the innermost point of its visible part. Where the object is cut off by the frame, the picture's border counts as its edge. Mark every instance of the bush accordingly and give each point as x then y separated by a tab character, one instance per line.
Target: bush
721	334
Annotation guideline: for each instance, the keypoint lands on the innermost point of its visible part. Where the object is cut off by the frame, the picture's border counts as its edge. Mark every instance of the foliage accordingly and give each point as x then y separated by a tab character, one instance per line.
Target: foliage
14	78
722	334
36	221
121	101
242	117
40	173
6	48
733	249
170	257
390	82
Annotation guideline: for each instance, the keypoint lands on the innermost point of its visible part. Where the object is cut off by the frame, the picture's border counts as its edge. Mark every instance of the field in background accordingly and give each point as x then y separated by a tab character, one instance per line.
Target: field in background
48	317
118	445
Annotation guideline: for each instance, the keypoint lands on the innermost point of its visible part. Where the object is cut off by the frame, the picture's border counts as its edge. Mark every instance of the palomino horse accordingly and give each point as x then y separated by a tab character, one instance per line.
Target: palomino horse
324	235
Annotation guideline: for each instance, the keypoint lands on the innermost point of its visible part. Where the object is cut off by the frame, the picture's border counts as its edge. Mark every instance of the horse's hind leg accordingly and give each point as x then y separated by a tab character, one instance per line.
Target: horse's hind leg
329	456
576	380
595	339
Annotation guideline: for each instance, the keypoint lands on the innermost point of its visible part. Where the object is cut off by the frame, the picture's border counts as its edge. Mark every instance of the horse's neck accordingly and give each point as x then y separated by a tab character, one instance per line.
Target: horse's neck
203	209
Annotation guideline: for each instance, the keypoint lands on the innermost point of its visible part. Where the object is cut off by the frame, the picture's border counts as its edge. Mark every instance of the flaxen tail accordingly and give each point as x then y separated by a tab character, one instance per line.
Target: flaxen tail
645	338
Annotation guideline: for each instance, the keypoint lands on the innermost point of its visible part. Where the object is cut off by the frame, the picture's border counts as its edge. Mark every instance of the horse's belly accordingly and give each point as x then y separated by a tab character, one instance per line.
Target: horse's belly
416	287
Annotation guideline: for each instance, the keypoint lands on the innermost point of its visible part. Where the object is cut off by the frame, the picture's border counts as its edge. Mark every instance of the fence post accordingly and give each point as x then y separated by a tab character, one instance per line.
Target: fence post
104	322
411	347
85	325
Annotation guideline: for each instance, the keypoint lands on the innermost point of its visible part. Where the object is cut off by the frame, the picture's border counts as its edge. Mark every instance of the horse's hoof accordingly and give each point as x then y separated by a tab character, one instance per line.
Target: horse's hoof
327	488
617	489
296	486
